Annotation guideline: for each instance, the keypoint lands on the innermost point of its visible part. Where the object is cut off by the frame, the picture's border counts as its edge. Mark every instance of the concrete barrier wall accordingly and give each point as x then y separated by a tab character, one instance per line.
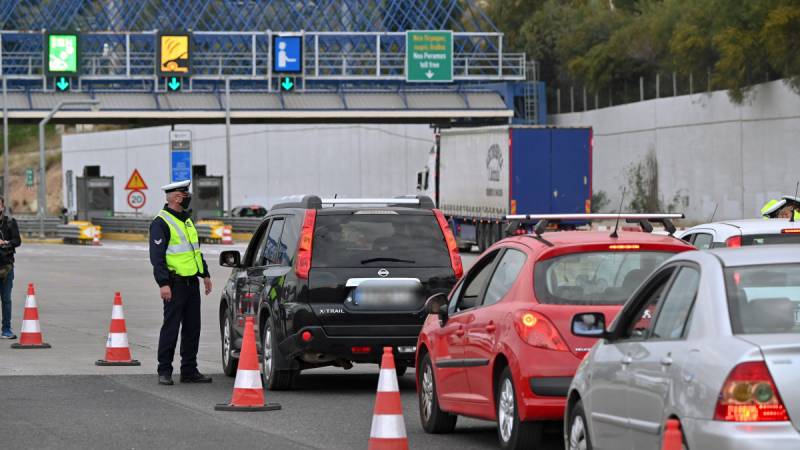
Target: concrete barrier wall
267	161
709	152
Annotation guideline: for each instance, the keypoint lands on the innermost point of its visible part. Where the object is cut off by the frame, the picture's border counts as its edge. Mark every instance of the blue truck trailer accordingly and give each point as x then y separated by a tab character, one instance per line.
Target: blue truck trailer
486	173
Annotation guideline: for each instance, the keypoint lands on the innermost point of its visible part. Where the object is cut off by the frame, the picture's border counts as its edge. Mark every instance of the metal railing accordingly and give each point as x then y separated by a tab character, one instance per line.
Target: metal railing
334	56
29	225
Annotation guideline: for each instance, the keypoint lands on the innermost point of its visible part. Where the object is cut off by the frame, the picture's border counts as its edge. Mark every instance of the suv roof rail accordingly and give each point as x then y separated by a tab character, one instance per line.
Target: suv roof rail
315	202
644	220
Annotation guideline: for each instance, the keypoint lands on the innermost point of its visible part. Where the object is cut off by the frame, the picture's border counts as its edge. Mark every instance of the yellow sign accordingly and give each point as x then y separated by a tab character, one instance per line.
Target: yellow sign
173	54
136	182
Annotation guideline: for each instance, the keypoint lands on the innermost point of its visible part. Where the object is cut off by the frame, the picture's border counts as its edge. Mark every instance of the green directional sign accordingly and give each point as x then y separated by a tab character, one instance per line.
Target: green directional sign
429	56
61	56
29	177
174	84
62	84
287	84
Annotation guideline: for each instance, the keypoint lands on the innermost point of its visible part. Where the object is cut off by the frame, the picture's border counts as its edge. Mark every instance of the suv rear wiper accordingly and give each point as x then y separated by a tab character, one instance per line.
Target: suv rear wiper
409	261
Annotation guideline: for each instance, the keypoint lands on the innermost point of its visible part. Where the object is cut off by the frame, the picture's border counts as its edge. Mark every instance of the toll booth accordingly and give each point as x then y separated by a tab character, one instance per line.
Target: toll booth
95	197
207	197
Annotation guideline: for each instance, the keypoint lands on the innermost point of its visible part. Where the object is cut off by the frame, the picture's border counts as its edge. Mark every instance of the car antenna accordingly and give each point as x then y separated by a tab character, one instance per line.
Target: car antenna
614	233
334	196
716	205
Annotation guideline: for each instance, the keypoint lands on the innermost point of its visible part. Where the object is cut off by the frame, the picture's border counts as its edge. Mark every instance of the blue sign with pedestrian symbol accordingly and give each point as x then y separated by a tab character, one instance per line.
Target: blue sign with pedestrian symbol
287	54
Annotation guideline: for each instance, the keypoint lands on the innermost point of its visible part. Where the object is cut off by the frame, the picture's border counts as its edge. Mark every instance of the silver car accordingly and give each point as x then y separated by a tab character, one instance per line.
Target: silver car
711	339
742	233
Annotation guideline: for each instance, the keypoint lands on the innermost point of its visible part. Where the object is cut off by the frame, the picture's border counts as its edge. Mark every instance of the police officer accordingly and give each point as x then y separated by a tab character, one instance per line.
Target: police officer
177	267
787	207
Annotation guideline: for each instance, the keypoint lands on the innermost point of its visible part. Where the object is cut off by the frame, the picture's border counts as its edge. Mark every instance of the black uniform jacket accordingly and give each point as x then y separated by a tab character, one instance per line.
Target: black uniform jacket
159	240
9	231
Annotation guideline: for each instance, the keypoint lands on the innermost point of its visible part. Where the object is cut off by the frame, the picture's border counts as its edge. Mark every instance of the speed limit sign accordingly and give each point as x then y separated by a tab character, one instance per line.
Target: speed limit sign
136	199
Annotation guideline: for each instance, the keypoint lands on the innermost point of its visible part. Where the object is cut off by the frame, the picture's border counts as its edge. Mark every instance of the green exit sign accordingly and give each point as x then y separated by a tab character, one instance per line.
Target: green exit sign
61	54
62	84
29	177
429	56
287	84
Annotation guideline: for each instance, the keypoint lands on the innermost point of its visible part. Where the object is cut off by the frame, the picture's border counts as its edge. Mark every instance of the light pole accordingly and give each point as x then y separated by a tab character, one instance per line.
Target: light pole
42	188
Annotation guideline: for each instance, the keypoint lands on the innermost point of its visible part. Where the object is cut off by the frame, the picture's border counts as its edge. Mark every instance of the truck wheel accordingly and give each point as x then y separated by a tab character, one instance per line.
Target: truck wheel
480	236
229	363
273	379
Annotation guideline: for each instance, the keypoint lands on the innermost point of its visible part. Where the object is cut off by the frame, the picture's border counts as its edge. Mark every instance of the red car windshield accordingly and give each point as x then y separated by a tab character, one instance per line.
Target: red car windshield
594	278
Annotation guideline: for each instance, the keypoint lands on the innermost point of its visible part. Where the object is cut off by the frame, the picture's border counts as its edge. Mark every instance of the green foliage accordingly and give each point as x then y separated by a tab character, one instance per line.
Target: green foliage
605	43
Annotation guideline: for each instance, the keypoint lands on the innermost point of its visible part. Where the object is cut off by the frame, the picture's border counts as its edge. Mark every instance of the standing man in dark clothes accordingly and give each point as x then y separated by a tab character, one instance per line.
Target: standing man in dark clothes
9	241
177	265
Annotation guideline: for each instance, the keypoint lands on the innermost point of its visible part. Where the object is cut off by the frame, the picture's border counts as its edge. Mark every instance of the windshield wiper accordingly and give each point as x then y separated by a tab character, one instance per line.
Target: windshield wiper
409	261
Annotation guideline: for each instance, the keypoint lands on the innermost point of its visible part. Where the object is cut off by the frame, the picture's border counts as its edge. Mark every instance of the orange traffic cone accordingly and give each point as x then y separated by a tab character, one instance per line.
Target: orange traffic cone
118	353
248	394
388	427
673	437
95	236
227	238
31	333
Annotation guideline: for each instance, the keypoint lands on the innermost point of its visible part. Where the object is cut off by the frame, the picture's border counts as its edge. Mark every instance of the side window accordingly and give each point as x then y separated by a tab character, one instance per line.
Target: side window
677	306
289	239
639	319
504	276
271	249
703	241
688	238
471	290
451	306
256	244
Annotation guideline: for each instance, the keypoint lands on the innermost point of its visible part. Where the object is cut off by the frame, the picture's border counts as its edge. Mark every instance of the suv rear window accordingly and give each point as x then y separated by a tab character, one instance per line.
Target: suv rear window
593	278
378	240
764	299
770	239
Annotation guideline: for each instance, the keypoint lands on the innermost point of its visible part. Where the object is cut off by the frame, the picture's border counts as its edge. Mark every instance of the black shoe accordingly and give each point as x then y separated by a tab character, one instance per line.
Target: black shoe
165	380
195	378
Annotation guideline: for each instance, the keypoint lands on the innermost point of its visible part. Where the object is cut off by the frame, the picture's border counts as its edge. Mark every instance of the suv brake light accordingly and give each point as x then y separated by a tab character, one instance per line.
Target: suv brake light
304	246
455	258
537	331
734	242
749	395
790	231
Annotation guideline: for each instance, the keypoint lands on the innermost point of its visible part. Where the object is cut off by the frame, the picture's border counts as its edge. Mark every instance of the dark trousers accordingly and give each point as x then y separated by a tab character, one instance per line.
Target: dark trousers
183	312
5	298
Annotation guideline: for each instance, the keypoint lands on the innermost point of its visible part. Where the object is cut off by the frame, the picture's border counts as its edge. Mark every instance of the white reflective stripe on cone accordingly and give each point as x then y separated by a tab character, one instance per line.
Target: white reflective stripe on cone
30	326
116	312
117	340
247	379
388	381
30	301
388	426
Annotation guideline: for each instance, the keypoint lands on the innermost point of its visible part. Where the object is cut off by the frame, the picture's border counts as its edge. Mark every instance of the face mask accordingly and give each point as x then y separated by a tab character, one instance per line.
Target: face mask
186	201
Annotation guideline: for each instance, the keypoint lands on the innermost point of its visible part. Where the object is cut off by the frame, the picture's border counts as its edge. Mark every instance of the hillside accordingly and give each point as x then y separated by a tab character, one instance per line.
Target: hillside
24	153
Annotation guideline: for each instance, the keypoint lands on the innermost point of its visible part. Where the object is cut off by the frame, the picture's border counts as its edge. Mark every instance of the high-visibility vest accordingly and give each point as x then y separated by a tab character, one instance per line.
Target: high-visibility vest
183	248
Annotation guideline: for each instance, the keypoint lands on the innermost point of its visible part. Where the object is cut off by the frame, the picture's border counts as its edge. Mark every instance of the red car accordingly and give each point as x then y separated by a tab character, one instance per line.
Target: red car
500	346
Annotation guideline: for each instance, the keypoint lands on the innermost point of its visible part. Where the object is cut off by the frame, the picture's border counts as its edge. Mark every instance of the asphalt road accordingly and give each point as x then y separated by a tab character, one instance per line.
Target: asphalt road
58	398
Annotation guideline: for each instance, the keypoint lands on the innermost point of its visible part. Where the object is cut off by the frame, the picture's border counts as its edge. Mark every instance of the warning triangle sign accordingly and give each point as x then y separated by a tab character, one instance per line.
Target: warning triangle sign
136	182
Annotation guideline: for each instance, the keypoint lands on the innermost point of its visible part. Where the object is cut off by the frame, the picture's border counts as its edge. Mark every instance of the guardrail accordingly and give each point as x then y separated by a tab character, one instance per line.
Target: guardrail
241	224
29	225
124	224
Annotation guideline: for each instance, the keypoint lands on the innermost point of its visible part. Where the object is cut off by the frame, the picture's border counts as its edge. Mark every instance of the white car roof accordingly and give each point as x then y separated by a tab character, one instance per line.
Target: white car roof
728	228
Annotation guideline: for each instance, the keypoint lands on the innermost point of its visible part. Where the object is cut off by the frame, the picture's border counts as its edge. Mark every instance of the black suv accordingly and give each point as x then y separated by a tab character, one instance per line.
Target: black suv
333	285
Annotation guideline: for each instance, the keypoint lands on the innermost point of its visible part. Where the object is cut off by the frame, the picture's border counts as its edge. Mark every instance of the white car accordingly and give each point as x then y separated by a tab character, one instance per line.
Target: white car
739	233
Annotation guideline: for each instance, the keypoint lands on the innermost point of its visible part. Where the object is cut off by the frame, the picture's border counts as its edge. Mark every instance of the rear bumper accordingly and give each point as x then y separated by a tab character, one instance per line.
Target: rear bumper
713	434
342	346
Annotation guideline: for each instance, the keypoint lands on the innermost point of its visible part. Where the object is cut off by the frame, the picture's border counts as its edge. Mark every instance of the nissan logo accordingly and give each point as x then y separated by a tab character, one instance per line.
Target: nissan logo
383	273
